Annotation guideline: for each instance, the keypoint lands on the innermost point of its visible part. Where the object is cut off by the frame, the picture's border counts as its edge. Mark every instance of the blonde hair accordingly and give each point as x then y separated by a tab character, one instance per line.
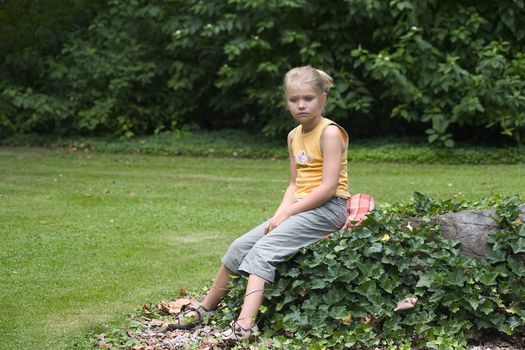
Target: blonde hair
318	79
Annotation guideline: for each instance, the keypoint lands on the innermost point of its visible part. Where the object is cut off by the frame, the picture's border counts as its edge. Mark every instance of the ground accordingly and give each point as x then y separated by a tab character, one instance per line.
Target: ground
151	334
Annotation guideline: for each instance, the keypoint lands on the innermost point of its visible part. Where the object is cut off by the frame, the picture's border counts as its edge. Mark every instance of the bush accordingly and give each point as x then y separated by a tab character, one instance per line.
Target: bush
237	143
341	293
145	66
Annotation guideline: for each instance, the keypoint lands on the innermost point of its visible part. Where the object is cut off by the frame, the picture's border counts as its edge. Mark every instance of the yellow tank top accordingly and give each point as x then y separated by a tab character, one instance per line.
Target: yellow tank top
307	151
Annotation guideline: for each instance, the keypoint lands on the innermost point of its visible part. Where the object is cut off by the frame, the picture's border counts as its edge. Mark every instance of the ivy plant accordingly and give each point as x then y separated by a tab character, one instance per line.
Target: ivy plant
341	293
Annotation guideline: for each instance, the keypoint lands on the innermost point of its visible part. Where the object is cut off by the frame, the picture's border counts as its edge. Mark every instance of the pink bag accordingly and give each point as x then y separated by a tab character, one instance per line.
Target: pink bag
357	208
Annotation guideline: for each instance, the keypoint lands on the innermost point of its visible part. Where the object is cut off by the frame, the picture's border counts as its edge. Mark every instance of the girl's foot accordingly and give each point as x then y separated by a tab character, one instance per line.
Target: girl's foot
190	317
237	332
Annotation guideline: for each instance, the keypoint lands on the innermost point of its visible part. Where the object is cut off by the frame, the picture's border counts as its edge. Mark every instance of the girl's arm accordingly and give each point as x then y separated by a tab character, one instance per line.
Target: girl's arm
332	150
289	194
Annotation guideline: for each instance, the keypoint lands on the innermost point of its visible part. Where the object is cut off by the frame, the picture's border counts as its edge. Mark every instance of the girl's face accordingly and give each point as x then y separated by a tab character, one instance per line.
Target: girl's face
304	102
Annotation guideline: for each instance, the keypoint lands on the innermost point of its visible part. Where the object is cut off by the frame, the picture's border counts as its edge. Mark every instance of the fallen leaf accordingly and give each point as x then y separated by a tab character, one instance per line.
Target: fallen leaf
385	238
347	320
303	292
146	309
369	319
173	307
155	323
103	344
406	304
183	292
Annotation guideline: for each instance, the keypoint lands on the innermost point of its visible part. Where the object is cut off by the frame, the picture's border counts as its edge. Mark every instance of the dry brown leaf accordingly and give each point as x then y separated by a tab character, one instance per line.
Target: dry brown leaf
203	346
302	292
145	309
183	292
103	344
155	323
347	320
173	307
369	319
406	304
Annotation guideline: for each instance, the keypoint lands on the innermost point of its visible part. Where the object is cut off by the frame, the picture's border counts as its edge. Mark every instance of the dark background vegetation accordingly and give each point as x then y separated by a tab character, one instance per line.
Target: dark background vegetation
445	70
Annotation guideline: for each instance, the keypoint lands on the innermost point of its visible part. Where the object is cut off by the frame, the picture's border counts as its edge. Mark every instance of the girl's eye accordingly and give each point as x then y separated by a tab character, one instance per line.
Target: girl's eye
309	98
293	99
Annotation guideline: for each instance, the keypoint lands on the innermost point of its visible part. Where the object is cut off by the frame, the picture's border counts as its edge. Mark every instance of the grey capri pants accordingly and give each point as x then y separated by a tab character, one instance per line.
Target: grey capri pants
258	254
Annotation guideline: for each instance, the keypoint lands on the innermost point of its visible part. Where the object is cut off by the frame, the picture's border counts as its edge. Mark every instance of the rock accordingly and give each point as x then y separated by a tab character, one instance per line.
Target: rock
471	228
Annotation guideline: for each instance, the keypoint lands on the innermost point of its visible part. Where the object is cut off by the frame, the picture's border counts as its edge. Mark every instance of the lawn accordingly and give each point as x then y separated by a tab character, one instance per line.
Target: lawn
89	237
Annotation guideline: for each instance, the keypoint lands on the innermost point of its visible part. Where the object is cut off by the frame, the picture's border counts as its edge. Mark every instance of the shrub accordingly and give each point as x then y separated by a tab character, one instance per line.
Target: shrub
145	66
342	292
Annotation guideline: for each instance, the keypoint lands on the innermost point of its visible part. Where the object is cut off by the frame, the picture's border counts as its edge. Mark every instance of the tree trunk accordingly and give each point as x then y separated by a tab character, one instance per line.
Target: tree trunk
471	228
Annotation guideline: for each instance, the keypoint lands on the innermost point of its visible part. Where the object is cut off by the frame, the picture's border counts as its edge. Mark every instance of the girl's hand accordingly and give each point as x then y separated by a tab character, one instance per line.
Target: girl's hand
277	219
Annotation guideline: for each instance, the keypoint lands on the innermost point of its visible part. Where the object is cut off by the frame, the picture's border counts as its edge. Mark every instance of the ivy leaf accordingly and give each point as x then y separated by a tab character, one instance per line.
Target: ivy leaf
516	266
374	248
521	231
333	296
518	246
297	283
319	283
388	283
474	303
497	256
486	306
370	270
339	312
293	272
436	296
309	304
425	280
349	276
456	278
366	288
487	278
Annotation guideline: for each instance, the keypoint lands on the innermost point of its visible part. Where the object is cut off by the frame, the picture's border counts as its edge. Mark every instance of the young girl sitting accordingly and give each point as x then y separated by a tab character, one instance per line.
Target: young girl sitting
313	205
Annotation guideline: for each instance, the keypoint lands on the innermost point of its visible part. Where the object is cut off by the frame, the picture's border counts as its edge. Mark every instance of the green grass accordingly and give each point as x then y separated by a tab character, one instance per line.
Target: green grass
87	238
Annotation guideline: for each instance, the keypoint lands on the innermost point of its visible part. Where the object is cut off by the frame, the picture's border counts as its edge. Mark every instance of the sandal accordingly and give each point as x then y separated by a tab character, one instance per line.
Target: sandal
237	332
183	319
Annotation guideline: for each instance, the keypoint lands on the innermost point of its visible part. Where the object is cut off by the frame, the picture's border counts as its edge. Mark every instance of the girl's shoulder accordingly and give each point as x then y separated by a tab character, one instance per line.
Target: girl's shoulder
333	131
292	132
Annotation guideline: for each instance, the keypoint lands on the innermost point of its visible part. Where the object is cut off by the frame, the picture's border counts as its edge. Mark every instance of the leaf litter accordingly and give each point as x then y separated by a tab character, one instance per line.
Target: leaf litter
149	332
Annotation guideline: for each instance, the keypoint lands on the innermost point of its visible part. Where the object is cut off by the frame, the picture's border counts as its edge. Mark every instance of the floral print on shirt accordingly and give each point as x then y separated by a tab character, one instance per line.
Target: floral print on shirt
302	158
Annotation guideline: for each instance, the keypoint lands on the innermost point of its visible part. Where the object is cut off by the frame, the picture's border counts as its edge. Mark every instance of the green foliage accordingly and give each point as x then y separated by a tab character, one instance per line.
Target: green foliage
342	292
145	66
241	144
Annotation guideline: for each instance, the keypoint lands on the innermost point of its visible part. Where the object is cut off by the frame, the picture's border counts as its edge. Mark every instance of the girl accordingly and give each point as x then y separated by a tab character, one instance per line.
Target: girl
313	205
